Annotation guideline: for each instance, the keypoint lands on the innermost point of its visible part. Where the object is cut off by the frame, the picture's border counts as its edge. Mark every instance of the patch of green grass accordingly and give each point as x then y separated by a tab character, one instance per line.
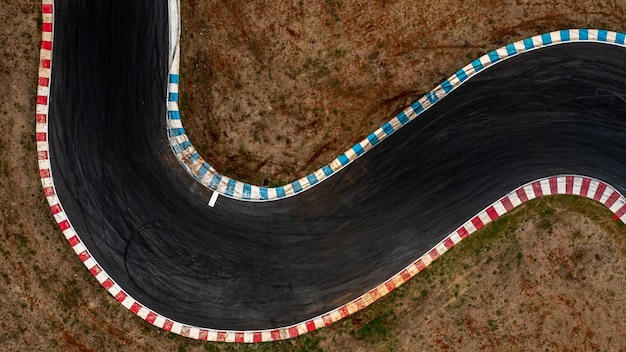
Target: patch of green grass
378	329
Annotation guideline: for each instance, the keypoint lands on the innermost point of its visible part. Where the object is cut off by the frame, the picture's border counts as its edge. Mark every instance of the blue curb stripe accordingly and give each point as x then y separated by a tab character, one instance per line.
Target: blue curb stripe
447	86
564	35
247	191
312	179
195	156
510	49
358	150
477	65
174	78
327	170
620	38
372	139
528	43
343	159
297	187
174	114
388	129
263	193
602	35
173	97
402	118
432	97
417	106
493	56
461	75
583	34
204	169
546	39
280	192
215	181
230	187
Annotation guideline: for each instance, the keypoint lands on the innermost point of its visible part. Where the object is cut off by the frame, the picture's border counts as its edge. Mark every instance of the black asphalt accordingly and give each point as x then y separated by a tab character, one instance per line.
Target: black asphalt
247	265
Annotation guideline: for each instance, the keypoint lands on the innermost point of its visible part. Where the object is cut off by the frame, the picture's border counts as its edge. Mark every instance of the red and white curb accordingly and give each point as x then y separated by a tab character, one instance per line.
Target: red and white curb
567	184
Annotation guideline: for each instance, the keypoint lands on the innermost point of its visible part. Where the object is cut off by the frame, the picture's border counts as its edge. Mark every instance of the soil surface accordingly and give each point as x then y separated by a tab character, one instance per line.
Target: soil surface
277	89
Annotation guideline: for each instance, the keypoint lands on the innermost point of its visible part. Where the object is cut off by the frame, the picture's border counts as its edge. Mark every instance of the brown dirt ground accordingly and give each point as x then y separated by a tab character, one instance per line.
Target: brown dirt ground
550	278
277	89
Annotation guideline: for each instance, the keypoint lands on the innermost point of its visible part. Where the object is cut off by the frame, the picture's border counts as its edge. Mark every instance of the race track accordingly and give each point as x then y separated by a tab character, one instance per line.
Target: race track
253	266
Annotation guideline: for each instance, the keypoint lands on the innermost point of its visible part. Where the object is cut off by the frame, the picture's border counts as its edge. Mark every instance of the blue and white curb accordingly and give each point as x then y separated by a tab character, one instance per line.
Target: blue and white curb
204	173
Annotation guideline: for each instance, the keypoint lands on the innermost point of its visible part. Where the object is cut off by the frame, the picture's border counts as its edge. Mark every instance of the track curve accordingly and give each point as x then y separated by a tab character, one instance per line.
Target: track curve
265	271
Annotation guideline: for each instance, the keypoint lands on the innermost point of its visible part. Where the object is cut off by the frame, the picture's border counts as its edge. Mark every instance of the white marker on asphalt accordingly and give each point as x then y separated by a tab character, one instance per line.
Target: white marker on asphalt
213	199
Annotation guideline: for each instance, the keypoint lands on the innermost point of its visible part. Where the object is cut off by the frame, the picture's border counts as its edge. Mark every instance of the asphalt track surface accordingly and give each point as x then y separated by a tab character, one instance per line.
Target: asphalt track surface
243	265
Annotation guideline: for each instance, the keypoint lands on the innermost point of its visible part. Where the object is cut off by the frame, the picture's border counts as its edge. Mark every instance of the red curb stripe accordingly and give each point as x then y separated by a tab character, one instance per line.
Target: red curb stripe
463	232
108	283
448	243
554	185
537	189
419	264
56	209
521	194
43	82
343	312
167	326
478	224
360	304
41	136
221	336
611	200
42	100
204	335
404	274
44	173
257	337
45	63
43	155
73	241
493	214
95	270
48	191
41	118
620	212
275	335
239	337
121	296
84	256
135	308
327	319
151	317
585	187
569	184
599	191
46	45
390	286
293	332
46	27
64	225
310	326
434	254
46	9
375	294
506	203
